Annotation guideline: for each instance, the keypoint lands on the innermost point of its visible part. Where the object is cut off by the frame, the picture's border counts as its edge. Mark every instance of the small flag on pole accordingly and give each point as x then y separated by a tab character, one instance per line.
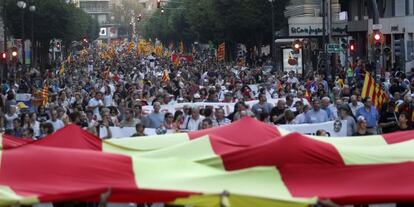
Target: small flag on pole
62	69
221	52
45	94
165	76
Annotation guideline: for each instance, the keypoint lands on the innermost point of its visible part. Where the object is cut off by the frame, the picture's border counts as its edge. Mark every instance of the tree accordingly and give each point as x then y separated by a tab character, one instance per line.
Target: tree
53	19
233	21
123	14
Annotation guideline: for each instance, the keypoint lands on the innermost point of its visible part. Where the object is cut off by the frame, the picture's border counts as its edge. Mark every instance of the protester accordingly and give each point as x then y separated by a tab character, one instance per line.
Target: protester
262	106
403	122
140	128
192	123
345	114
156	118
370	113
321	133
316	115
206	124
361	127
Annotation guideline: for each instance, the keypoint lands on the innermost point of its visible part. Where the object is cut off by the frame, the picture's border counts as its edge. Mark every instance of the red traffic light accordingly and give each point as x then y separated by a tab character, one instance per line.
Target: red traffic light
158	4
377	37
3	55
352	46
297	46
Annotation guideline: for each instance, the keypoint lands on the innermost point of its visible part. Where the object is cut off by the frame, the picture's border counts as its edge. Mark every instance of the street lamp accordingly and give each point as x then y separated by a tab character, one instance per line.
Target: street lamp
22	5
272	43
32	9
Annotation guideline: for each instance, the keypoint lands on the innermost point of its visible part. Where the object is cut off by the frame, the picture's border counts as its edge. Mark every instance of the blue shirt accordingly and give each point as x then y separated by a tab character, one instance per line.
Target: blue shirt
319	116
370	116
155	120
329	112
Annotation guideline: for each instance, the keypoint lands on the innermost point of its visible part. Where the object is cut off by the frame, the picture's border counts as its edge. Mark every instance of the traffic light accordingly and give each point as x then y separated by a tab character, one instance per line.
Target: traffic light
14	54
158	4
58	45
344	44
296	46
162	10
378	40
3	57
352	47
387	50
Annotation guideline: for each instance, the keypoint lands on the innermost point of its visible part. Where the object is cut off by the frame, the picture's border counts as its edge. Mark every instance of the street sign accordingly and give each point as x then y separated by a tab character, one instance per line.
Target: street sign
334	48
377	27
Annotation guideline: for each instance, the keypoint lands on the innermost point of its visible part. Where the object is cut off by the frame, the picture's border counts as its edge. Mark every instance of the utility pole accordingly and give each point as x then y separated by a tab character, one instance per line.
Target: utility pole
331	58
5	69
375	21
272	43
325	38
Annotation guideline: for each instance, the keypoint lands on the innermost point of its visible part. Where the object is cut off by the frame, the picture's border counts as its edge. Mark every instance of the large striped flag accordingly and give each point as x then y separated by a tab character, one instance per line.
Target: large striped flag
221	52
45	94
374	91
246	163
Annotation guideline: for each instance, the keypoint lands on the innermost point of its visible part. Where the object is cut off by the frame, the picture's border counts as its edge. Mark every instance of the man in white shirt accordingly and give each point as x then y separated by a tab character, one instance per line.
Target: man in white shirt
192	123
95	103
292	79
57	123
220	119
355	104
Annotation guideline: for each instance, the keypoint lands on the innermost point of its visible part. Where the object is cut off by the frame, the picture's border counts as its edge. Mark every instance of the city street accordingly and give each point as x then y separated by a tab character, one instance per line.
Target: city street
206	103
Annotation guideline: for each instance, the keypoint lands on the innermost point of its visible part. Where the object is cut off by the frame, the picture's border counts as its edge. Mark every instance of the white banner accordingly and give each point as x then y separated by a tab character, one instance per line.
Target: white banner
228	107
333	128
118	132
23	97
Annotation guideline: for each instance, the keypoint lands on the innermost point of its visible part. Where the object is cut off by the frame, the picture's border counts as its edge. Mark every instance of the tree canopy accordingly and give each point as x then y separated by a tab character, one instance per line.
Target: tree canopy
236	21
53	19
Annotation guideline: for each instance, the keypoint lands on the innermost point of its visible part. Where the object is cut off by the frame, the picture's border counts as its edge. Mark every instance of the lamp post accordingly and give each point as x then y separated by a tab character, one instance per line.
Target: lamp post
32	9
5	49
272	43
22	5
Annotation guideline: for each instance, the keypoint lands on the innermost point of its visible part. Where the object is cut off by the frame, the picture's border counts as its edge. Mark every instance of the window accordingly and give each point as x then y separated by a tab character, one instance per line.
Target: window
399	8
407	7
393	7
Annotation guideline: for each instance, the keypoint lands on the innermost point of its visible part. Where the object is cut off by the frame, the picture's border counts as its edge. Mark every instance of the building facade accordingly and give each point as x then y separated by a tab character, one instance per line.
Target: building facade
98	9
396	23
305	23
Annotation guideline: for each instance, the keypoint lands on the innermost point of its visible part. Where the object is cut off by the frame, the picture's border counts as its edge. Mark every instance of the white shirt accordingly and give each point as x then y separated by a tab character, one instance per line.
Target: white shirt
92	103
300	118
107	99
192	124
36	128
355	108
223	122
292	80
9	120
58	124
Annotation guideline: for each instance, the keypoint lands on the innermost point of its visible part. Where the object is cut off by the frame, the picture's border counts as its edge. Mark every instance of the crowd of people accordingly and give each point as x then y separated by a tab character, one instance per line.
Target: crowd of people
94	91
